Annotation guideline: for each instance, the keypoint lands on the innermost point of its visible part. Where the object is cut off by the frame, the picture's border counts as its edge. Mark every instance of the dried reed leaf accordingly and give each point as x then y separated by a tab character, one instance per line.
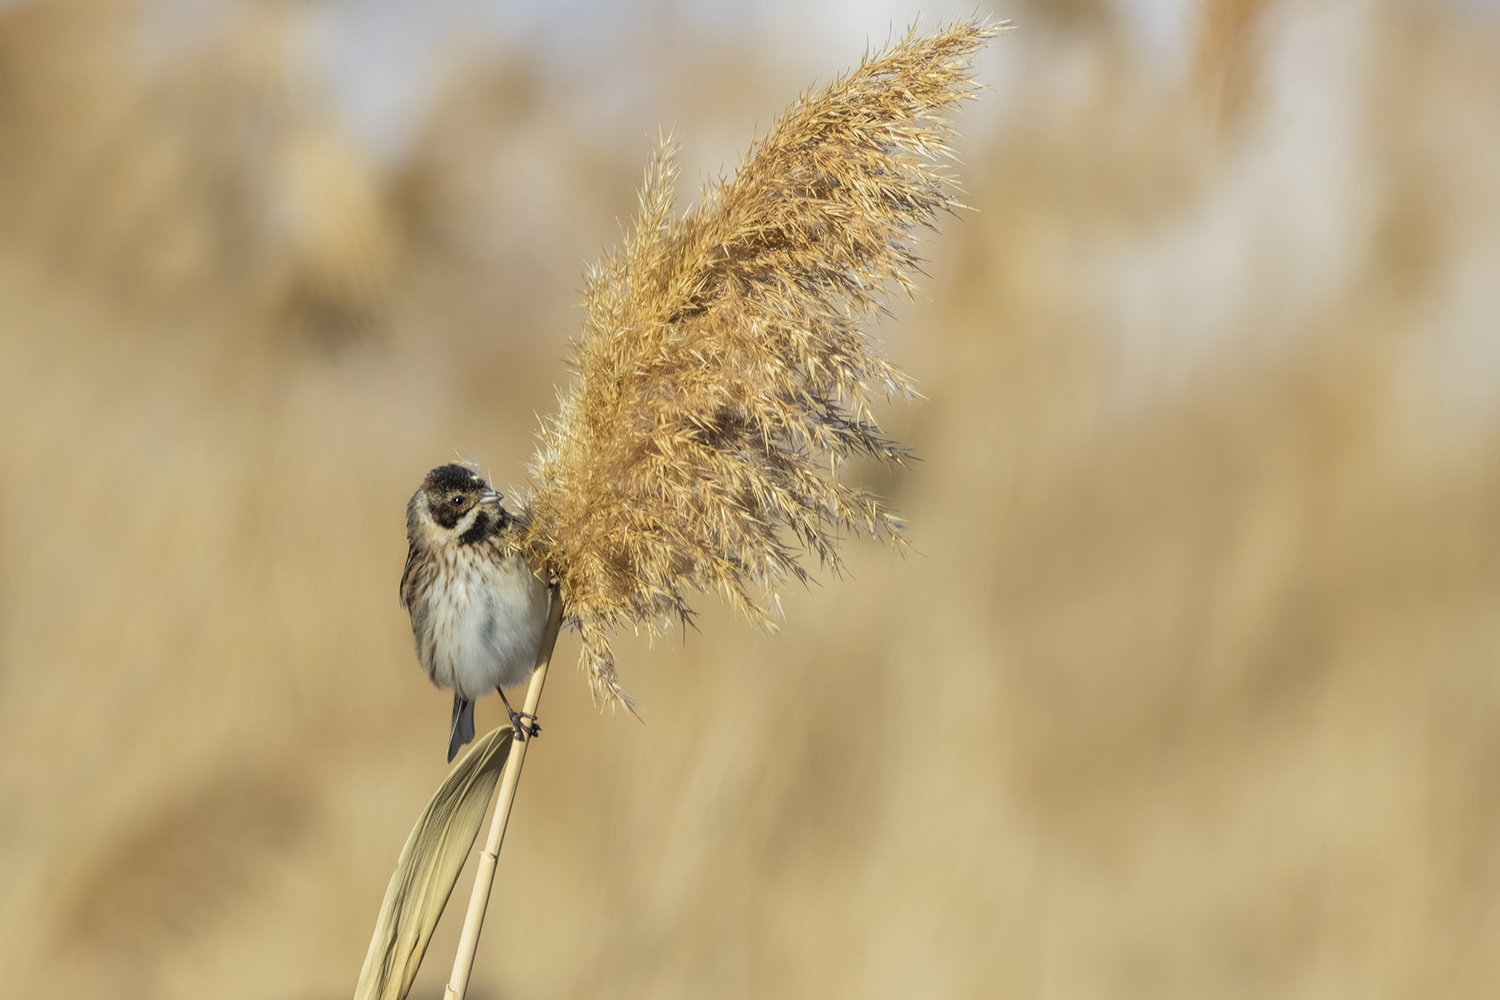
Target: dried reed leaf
724	376
428	868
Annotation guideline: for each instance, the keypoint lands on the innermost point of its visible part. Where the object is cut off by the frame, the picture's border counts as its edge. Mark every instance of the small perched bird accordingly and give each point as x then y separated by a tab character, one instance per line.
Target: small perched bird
477	614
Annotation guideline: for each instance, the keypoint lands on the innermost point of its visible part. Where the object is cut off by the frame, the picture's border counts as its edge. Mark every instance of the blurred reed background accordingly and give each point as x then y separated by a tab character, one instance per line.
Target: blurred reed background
1190	689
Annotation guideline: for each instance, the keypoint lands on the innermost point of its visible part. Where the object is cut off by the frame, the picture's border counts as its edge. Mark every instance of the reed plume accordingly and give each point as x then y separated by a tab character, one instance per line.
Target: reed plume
725	376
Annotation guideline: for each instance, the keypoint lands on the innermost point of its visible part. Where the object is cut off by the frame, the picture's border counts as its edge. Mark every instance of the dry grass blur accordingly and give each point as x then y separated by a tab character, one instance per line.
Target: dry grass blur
1194	669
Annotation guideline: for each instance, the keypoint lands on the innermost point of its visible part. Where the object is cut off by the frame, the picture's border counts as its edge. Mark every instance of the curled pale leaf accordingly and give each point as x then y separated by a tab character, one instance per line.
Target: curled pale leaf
429	865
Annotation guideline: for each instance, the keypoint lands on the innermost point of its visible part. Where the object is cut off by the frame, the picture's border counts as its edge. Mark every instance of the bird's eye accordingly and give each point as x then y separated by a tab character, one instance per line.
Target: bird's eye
455	500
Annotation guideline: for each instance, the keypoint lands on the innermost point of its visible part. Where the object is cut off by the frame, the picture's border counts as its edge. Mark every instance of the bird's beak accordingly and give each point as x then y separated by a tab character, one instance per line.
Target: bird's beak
490	496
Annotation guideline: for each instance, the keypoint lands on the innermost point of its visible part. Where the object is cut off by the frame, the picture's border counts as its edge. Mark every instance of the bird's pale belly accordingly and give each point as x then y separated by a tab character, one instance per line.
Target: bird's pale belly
487	621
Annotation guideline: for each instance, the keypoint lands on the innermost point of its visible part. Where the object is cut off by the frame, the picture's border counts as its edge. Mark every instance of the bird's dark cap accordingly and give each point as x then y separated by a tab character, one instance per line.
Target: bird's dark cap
452	477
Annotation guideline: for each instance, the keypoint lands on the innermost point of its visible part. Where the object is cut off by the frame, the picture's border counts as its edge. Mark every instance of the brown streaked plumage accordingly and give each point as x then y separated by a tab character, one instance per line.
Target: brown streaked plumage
477	610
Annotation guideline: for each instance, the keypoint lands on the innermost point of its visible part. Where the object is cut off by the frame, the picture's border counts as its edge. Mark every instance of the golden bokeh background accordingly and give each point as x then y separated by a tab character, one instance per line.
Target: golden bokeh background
1190	687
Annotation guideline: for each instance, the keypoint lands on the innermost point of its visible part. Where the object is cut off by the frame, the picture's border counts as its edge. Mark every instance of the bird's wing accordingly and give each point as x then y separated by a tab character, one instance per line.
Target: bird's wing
411	576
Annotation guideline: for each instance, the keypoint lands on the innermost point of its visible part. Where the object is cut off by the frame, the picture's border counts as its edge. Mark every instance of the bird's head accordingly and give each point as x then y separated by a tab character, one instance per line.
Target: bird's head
452	501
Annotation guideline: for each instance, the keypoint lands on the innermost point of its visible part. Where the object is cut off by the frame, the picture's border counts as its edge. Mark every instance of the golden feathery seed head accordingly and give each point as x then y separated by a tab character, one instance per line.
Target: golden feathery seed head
724	374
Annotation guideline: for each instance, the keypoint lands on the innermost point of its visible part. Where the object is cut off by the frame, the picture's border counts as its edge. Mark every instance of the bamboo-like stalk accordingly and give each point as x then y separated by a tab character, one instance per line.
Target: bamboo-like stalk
484	876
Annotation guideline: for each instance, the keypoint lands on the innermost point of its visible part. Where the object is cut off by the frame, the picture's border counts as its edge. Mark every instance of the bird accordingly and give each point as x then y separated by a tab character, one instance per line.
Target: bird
478	612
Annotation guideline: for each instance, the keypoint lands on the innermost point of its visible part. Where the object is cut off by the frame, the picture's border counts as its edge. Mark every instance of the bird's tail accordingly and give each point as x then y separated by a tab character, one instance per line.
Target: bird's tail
463	725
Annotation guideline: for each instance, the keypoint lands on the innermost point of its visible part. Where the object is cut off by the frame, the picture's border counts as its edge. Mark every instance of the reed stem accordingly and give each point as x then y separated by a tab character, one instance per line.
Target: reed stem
484	876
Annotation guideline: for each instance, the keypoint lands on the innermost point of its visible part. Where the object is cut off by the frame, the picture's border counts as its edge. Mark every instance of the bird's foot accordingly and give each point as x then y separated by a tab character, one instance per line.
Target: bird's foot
524	729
